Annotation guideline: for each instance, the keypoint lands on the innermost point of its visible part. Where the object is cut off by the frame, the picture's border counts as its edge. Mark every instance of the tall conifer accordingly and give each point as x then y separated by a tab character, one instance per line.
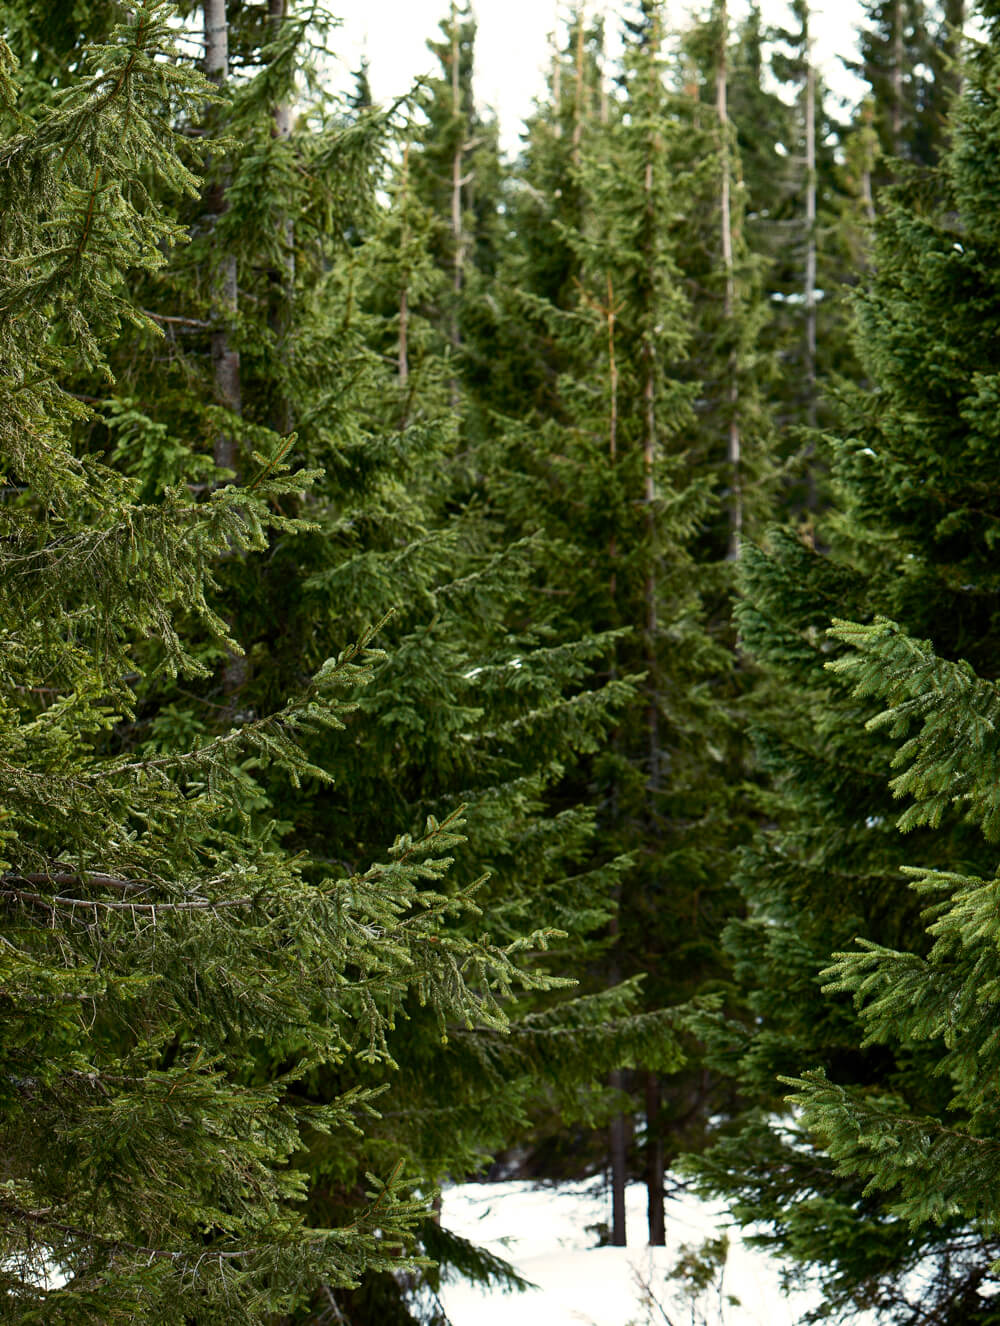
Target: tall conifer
880	1178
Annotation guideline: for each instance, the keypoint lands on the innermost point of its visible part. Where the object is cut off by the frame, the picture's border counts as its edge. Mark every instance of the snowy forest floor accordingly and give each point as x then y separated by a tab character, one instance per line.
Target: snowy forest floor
549	1236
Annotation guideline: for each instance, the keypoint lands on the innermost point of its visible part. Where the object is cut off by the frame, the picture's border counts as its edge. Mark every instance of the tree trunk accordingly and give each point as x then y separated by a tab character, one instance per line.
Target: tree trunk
617	1148
734	441
283	281
456	201
896	121
578	95
655	1164
810	277
556	87
404	286
225	291
654	1180
619	1158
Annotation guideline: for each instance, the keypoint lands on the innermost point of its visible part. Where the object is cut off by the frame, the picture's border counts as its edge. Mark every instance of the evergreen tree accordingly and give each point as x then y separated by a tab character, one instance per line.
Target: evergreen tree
619	467
909	52
871	1181
156	935
477	701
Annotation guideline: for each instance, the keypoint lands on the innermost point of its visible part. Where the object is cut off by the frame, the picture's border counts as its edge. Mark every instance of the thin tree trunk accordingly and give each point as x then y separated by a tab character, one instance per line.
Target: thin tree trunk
897	78
617	1146
810	281
870	149
225	359
225	308
655	1164
578	93
556	87
619	1159
734	442
404	288
456	202
654	1180
283	421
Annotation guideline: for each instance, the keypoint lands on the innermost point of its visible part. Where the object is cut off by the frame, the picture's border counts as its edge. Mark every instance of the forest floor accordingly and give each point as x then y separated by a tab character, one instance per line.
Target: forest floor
550	1236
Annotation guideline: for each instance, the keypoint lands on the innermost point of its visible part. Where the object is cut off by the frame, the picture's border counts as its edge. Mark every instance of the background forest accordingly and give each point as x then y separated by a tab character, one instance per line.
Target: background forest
497	661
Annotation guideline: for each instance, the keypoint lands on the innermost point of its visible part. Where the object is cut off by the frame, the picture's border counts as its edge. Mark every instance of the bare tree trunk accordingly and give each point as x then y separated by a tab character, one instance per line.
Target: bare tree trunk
456	201
655	1164
225	360
225	308
617	1144
578	93
870	149
734	442
897	78
404	289
556	87
654	1179
283	421
810	282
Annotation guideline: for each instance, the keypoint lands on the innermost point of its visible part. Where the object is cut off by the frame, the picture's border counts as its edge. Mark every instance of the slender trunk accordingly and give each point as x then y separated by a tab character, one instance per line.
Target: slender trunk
810	282
734	442
617	1146
578	93
404	285
649	501
897	78
225	291
612	386
224	311
456	200
870	148
655	1164
283	281
654	1179
556	88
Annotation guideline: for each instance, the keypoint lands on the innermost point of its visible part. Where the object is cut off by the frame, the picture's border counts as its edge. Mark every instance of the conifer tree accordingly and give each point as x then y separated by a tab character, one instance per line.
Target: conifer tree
491	719
879	1179
611	465
155	936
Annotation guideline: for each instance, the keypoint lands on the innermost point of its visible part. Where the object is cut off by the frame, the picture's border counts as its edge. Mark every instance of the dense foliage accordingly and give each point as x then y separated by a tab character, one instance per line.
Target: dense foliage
455	702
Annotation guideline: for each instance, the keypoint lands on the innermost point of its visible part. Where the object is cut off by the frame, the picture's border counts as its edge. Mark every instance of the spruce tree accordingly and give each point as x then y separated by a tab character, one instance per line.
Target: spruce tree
160	943
619	467
869	1179
476	701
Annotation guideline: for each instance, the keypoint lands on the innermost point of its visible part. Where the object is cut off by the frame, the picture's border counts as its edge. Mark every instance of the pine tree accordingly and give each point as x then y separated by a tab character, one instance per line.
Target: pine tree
871	1181
157	933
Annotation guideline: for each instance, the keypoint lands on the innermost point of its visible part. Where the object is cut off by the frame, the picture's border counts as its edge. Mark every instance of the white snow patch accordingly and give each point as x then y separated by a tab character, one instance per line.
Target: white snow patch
543	1233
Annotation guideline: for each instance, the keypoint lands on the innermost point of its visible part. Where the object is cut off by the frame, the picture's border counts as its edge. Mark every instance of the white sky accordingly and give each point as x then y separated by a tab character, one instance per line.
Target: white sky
512	44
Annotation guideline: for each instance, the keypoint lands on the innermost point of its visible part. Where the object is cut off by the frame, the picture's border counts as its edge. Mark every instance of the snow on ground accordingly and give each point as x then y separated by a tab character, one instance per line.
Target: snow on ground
543	1233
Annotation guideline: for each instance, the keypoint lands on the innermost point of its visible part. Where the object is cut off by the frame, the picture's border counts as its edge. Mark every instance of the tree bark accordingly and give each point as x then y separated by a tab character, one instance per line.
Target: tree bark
734	441
655	1164
810	274
619	1169
896	75
225	290
456	199
284	281
654	1180
578	94
404	285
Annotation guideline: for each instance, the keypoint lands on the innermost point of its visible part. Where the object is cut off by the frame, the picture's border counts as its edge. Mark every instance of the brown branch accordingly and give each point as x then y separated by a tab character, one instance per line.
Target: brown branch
62	900
180	322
